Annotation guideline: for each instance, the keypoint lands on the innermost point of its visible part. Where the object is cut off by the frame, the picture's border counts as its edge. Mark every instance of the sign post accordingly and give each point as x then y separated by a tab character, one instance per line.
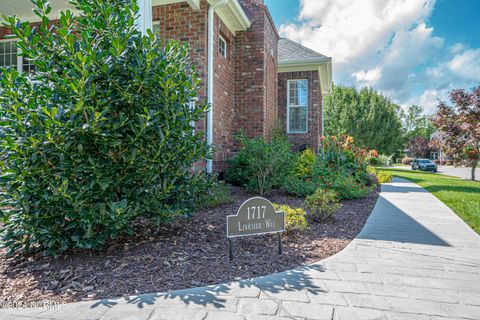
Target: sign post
255	216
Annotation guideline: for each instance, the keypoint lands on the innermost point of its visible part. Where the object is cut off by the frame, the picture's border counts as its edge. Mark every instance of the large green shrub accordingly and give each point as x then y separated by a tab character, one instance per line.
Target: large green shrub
101	132
260	165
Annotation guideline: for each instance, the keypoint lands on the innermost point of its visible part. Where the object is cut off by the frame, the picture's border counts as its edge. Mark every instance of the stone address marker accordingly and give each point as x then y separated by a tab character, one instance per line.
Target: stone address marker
254	217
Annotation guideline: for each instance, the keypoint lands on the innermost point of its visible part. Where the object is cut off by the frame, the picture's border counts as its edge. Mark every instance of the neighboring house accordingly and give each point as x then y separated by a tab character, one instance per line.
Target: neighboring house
252	78
437	153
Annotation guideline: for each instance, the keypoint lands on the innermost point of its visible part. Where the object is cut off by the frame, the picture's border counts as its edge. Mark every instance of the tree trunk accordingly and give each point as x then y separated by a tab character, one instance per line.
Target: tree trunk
474	166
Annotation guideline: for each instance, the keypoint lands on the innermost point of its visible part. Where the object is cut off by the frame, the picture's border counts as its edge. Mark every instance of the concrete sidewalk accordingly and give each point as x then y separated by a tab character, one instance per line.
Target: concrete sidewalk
415	259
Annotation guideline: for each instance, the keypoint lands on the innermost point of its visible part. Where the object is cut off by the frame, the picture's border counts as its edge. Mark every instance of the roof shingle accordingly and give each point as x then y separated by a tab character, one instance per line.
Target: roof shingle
291	51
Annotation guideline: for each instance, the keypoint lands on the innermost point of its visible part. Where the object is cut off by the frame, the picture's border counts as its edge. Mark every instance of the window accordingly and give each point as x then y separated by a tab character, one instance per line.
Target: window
28	66
9	58
156	27
222	46
297	102
8	54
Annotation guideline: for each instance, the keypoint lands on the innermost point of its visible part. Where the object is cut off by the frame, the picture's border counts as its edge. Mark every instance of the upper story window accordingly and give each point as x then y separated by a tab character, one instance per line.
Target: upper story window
9	57
297	105
222	46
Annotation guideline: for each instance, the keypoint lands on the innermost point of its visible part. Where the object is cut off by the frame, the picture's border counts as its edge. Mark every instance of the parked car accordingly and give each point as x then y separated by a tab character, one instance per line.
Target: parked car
424	164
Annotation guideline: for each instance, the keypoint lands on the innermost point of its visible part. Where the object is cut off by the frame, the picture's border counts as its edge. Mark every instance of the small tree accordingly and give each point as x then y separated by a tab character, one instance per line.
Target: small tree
366	115
100	134
419	146
459	126
415	123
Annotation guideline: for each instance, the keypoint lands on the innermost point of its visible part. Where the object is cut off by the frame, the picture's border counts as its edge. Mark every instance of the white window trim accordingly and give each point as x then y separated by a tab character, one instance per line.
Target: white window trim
19	56
226	46
288	107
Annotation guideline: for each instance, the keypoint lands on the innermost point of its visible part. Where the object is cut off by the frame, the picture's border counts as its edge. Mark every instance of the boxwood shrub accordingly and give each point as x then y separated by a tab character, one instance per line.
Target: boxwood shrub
99	134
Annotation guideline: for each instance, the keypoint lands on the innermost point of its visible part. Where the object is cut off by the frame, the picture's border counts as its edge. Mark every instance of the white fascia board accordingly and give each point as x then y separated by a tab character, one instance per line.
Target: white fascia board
232	15
195	4
323	66
240	14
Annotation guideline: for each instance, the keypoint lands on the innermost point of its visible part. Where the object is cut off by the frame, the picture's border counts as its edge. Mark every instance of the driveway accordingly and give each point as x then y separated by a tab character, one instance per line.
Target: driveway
461	172
414	259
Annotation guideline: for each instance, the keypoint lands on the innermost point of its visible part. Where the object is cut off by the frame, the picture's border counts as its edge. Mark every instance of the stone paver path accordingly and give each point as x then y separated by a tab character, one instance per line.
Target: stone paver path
415	259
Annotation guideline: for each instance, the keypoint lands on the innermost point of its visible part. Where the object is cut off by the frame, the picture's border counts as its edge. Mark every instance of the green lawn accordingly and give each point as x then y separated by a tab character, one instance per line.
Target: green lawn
462	196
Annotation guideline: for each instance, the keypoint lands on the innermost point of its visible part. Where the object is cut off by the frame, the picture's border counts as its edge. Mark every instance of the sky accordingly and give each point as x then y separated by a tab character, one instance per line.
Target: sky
413	51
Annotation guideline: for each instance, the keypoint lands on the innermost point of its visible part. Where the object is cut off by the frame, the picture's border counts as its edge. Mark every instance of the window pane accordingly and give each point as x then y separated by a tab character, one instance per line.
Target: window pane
8	54
302	93
298	92
298	119
222	47
298	106
28	66
293	93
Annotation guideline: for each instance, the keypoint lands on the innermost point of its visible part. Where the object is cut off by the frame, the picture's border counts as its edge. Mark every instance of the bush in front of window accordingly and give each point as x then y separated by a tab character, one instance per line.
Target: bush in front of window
101	133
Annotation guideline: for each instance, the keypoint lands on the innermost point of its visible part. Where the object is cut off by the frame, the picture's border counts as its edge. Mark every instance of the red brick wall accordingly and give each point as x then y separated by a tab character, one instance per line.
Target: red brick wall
223	123
180	22
255	72
271	74
311	139
4	32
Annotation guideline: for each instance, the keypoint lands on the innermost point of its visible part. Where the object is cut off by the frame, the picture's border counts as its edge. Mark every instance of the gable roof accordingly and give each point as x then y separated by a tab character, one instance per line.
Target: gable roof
293	57
291	51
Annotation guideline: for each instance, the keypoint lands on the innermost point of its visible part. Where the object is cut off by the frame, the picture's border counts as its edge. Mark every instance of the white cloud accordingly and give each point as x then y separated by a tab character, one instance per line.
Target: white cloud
429	99
386	45
466	64
369	76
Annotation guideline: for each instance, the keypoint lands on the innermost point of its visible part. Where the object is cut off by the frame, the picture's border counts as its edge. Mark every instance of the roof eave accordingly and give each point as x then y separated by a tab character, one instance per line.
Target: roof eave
232	15
241	15
323	66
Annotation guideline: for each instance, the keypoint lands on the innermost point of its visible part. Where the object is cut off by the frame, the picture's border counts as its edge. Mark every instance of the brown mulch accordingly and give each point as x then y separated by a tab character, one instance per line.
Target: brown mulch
188	253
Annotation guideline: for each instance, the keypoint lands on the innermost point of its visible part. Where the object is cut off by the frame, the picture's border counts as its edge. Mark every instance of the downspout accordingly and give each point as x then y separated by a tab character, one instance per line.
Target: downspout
210	75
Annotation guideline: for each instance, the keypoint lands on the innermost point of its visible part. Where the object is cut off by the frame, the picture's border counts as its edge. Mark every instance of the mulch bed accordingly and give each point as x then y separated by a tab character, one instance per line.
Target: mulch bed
188	253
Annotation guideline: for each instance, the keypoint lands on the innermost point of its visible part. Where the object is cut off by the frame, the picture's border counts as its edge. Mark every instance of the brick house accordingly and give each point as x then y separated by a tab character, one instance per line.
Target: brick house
252	78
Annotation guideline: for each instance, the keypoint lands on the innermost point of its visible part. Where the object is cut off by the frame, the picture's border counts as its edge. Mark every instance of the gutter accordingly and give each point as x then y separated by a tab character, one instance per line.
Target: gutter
210	75
309	62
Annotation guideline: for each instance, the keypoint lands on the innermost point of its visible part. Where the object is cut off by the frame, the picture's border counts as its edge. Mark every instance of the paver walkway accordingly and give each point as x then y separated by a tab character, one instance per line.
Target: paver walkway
415	259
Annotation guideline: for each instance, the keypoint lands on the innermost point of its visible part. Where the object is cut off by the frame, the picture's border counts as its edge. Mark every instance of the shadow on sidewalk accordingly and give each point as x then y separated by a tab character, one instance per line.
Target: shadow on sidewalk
389	223
215	296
